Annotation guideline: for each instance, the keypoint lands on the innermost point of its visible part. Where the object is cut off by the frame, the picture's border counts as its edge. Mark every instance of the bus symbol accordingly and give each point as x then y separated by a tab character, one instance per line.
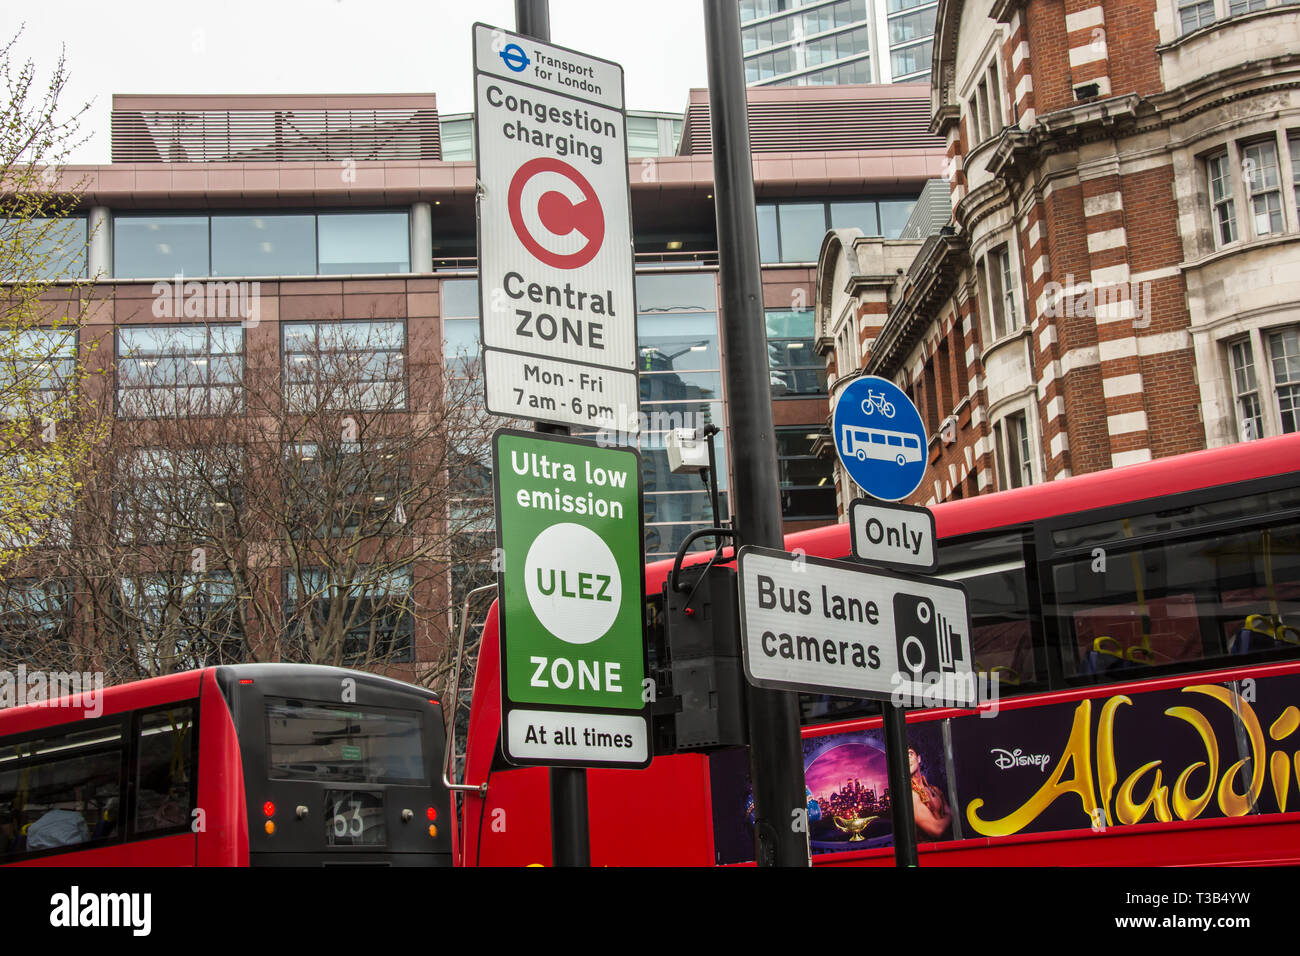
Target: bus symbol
879	444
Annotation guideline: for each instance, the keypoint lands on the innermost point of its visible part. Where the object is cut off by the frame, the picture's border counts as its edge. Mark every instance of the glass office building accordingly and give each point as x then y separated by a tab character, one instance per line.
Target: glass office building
825	42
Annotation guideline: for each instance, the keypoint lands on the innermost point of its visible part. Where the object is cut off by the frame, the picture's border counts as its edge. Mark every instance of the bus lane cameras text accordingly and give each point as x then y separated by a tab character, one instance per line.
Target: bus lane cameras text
832	606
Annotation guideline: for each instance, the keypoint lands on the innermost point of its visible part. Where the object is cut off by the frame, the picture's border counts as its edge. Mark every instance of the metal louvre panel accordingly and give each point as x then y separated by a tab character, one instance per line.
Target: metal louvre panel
842	124
274	135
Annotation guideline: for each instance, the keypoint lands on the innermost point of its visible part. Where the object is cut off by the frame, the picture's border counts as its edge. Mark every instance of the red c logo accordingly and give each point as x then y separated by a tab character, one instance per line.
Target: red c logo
555	213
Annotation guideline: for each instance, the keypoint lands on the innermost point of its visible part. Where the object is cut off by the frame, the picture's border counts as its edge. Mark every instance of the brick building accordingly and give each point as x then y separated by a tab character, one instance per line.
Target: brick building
1118	280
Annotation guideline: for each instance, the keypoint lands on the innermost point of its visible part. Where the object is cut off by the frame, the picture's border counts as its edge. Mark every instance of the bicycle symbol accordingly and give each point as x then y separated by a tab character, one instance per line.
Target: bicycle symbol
876	400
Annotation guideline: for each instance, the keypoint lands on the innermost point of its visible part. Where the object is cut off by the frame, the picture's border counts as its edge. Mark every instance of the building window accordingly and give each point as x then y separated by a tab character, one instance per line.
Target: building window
35	619
1244	6
912	26
1284	350
42	249
796	368
1221	202
1000	280
363	243
456	137
181	621
178	370
793	232
1194	15
1293	145
1015	451
1260	172
995	97
1249	421
36	371
807	482
982	102
341	487
264	244
909	60
972	111
183	495
680	379
365	621
345	365
1279	374
150	247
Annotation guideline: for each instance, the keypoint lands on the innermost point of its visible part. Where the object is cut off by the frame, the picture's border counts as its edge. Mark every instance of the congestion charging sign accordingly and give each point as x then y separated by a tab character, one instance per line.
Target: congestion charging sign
556	289
569	532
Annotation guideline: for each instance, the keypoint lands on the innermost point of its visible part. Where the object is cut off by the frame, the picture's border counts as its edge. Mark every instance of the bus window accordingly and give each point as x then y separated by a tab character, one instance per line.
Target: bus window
910	441
992	568
1183	598
61	789
309	740
896	440
165	770
877	438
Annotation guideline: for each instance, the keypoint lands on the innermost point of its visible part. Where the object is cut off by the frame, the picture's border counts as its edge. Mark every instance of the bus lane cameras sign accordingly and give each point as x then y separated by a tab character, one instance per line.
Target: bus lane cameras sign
573	669
832	627
556	292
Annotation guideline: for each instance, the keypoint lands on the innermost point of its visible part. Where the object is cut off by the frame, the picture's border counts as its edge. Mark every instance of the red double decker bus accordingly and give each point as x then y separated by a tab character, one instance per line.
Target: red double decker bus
1136	633
251	764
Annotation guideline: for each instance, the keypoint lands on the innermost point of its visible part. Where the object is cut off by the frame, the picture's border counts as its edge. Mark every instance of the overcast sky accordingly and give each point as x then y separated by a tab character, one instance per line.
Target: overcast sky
334	46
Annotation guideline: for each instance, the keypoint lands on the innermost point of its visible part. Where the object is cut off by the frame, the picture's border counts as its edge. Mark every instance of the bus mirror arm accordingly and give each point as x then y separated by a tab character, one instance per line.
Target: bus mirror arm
681	553
448	768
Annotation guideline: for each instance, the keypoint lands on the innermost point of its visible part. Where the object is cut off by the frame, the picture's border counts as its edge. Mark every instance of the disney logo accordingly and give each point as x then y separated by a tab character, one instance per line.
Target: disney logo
1003	759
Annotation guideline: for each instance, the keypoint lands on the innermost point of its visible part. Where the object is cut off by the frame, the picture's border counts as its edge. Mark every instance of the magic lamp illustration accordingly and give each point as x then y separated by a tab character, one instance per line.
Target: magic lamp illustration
854	825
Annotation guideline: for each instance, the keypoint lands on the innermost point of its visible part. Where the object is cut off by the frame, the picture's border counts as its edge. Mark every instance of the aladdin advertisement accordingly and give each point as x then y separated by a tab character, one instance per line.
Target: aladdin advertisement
1183	753
1199	751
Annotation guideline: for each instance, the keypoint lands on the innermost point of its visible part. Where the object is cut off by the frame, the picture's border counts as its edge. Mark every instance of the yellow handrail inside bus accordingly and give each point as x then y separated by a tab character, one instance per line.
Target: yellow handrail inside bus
1141	652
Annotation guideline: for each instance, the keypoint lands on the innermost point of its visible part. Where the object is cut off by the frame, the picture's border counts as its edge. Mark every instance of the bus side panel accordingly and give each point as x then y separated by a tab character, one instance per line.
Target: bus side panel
481	738
224	839
174	850
512	822
660	816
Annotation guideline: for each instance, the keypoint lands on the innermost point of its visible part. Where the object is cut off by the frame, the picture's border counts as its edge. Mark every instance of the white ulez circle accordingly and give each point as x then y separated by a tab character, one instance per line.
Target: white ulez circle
572	583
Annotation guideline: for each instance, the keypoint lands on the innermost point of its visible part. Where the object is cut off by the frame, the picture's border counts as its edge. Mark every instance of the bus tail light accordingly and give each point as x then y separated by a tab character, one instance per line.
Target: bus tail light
268	808
270	827
433	830
246	680
431	813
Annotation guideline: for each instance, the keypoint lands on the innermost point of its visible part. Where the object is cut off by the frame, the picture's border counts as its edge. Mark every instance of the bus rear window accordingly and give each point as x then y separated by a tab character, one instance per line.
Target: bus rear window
311	740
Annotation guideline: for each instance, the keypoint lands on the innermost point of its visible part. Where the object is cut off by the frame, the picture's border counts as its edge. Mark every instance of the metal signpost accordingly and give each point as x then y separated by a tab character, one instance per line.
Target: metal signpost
556	290
898	638
571	608
558	327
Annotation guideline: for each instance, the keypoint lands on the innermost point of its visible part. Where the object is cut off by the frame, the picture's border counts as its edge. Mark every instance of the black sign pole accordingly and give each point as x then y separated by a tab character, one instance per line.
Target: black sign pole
775	755
900	785
570	822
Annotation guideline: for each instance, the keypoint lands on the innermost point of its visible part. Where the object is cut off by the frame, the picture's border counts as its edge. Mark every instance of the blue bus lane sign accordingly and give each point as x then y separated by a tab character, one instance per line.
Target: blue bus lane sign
880	438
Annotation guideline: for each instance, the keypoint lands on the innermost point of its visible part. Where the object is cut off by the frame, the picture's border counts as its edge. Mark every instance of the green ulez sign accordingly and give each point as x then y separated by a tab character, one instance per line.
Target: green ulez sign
569	529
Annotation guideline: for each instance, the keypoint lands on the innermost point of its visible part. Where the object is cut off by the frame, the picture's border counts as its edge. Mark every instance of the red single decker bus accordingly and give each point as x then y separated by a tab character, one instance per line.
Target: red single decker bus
251	764
1137	640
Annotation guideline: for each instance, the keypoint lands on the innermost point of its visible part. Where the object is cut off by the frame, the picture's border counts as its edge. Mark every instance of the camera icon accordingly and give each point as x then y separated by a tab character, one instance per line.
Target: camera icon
926	643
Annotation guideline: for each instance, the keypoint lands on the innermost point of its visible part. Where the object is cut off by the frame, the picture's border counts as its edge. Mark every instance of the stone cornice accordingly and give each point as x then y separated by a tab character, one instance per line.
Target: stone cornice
933	276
